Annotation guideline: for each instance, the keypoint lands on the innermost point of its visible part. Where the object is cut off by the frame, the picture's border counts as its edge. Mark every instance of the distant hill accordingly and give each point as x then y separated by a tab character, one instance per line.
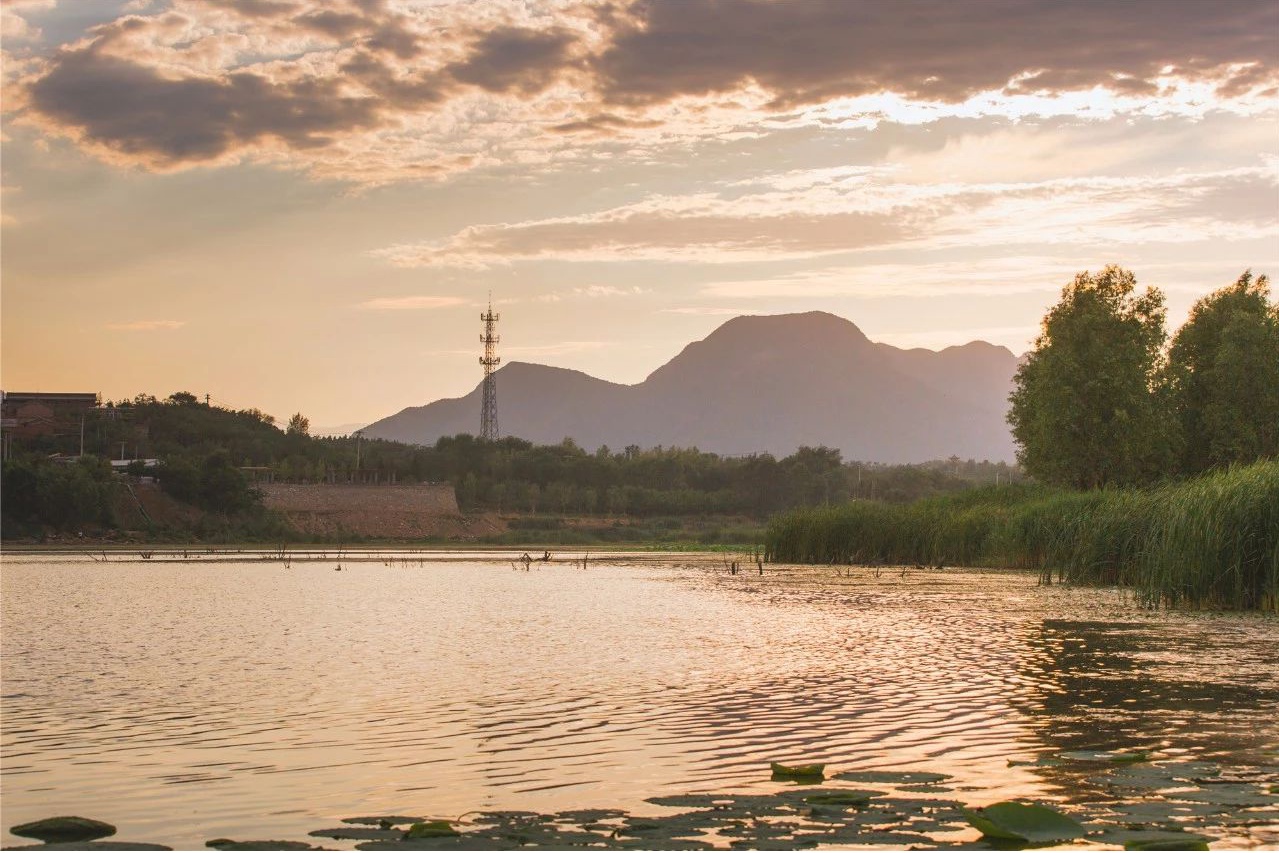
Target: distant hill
757	384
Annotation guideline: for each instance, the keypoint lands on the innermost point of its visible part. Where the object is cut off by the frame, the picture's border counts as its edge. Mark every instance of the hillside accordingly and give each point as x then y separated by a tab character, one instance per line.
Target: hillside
757	384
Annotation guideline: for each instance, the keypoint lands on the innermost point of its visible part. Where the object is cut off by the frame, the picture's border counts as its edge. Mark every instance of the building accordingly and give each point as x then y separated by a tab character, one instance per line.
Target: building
30	414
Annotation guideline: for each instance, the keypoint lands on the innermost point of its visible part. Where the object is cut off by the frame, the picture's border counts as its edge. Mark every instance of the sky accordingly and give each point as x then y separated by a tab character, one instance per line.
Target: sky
304	205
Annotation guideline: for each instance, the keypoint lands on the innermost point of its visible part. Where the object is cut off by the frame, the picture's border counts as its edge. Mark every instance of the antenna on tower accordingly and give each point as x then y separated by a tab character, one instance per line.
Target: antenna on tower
488	411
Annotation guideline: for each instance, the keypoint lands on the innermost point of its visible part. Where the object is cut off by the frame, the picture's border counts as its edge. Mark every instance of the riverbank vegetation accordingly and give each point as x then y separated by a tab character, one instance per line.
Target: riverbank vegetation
1211	541
1155	466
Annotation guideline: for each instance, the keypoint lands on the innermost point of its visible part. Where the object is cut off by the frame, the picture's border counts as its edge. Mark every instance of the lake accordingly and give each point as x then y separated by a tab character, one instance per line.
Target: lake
184	698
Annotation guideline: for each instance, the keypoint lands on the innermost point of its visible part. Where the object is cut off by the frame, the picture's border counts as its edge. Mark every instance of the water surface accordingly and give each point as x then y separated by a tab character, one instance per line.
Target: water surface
186	698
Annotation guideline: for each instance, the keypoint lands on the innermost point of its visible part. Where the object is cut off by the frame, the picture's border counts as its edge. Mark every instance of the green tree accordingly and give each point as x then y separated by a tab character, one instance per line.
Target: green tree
299	424
222	486
1223	376
1087	409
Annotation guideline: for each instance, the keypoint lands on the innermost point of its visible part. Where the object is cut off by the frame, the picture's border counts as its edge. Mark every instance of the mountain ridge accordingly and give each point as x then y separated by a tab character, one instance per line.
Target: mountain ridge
757	384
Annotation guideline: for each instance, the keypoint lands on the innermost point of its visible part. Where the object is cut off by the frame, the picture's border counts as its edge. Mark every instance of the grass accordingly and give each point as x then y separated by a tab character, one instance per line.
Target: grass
1208	542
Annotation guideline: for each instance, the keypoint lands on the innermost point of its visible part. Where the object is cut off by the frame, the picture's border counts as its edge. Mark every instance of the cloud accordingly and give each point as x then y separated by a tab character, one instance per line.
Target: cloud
985	277
593	291
513	58
411	303
845	211
931	49
696	229
147	325
375	92
135	111
14	25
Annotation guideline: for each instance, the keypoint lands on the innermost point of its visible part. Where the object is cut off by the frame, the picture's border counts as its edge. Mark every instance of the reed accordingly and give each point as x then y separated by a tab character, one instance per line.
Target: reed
1208	542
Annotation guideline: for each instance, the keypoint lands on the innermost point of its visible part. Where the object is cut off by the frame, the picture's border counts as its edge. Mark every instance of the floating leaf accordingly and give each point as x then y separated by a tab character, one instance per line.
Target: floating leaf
1226	795
228	844
92	845
58	829
383	821
1113	756
1027	822
583	816
892	777
1038	762
798	771
926	789
1168	841
430	829
357	833
841	798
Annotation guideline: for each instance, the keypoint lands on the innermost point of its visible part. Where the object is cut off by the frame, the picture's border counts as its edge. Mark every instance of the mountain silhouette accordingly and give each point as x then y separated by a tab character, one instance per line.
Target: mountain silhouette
757	384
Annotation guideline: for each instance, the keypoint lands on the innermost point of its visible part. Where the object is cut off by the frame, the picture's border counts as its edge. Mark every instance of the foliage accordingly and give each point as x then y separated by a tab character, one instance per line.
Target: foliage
1223	375
65	495
510	475
1210	541
299	424
1087	410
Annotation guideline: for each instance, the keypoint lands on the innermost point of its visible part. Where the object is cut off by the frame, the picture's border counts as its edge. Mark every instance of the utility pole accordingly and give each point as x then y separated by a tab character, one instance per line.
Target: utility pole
488	410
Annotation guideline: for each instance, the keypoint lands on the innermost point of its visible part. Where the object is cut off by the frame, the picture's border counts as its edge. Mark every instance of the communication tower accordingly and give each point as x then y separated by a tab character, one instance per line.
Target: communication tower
488	412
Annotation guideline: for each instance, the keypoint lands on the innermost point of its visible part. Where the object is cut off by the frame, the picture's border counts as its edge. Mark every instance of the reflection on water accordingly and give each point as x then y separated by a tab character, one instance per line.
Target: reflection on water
234	696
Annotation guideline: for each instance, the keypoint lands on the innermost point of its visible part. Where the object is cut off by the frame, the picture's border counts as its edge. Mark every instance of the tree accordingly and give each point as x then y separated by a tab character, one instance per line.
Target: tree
1223	377
1087	410
299	424
222	486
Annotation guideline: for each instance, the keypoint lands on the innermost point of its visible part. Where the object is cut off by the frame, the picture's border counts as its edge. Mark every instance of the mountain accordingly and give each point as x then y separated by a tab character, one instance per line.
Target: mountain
757	384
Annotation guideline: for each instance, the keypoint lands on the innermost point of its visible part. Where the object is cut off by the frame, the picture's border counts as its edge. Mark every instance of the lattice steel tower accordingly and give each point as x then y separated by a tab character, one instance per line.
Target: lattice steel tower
488	412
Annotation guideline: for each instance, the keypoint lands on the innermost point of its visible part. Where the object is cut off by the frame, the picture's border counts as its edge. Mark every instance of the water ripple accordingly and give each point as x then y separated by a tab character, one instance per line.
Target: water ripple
177	695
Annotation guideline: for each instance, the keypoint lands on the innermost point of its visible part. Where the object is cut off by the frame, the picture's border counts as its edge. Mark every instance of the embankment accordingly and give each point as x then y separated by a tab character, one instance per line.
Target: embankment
422	511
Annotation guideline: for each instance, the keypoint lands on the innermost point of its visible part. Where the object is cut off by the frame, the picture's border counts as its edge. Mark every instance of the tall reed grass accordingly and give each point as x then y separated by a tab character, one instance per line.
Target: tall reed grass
1208	542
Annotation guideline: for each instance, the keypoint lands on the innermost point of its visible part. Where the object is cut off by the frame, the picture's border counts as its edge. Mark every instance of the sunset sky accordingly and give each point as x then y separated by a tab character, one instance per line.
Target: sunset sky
302	205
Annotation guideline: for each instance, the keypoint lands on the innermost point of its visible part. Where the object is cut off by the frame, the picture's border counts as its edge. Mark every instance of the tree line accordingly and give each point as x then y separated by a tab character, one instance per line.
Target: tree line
1105	398
208	454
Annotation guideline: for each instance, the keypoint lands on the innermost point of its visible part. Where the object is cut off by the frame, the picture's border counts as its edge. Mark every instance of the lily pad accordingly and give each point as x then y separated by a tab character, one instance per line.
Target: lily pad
357	833
92	845
1038	762
1168	841
465	842
926	789
841	798
430	829
584	816
228	844
383	821
1028	822
891	777
1112	756
1163	811
1226	795
58	829
798	771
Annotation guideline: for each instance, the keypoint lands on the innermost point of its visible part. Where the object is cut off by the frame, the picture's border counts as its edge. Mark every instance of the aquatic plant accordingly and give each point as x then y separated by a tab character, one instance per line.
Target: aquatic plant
1026	822
1208	542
